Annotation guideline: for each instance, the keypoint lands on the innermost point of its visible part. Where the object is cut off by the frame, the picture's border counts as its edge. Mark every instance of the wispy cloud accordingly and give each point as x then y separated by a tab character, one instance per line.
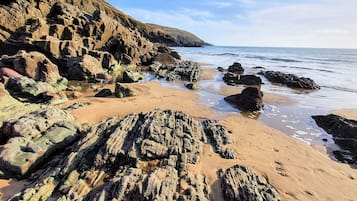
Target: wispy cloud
329	23
220	4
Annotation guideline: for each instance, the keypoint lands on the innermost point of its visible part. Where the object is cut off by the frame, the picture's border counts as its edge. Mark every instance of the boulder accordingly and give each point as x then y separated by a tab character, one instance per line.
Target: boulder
344	132
84	68
175	55
131	77
7	72
185	71
192	85
290	80
236	79
165	59
122	91
104	93
242	183
34	65
249	100
236	68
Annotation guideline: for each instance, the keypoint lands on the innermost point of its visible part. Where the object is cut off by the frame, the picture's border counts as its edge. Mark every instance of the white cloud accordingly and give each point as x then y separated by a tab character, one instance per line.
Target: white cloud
220	4
331	23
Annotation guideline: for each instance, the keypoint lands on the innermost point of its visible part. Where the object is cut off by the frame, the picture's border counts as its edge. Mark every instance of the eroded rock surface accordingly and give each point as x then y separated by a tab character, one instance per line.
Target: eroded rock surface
290	80
344	132
241	183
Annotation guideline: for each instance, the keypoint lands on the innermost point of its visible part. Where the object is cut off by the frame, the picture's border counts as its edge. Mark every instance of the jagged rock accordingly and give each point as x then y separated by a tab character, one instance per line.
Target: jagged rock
122	91
104	93
236	68
186	71
175	55
84	68
218	137
165	59
241	183
290	80
140	157
192	85
344	132
130	77
155	67
34	65
249	100
77	105
236	79
7	72
27	89
33	138
220	69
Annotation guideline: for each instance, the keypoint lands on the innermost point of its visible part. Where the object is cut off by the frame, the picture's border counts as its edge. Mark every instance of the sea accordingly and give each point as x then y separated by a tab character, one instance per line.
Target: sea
335	70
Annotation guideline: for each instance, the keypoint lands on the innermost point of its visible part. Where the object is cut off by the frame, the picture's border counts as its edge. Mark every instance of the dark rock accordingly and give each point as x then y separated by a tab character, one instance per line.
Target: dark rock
104	93
220	69
139	157
236	79
165	59
122	91
241	183
290	80
131	77
186	71
192	85
175	55
249	100
344	132
217	136
236	68
33	138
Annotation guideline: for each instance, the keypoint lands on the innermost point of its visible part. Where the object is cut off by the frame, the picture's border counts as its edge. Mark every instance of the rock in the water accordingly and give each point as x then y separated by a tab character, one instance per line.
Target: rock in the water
249	100
34	65
220	69
236	79
122	91
33	138
236	68
104	93
290	80
217	136
131	77
140	157
192	85
344	132
186	71
241	183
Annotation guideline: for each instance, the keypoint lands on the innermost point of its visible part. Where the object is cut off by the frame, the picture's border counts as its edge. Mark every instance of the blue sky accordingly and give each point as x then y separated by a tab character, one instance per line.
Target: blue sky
272	23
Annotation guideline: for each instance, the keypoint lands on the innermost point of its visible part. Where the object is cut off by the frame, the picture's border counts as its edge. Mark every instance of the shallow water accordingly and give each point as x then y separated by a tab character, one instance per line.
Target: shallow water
334	70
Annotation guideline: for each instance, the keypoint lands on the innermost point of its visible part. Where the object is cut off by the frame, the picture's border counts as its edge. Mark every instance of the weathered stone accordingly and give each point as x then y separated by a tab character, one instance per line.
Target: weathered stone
344	132
236	68
241	183
122	91
165	59
236	79
192	85
290	80
130	77
7	72
84	68
249	100
186	71
104	93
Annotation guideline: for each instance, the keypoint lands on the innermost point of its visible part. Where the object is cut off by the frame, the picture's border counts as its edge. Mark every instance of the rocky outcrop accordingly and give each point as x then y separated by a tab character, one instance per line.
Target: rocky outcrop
217	136
344	132
241	183
249	100
290	80
236	68
123	91
131	77
32	138
141	157
33	65
236	79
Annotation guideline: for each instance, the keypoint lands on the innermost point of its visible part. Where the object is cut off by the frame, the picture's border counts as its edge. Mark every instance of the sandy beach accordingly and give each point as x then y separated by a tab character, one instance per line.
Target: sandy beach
297	170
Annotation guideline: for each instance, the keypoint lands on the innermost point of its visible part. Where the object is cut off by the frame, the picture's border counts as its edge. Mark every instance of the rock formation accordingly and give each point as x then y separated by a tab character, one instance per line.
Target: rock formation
290	80
344	132
249	100
234	76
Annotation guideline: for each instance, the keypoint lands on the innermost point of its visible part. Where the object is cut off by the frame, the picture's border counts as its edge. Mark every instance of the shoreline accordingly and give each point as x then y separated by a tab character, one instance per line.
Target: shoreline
296	169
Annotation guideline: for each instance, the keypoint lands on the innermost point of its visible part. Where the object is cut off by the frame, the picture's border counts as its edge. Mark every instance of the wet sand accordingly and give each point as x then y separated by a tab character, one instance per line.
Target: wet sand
297	170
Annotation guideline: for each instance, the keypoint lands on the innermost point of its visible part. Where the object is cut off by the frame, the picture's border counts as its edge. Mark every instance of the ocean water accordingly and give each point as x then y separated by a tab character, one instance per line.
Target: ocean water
335	70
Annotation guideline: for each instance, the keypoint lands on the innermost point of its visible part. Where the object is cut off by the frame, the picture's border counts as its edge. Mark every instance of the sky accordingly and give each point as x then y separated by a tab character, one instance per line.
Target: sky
259	23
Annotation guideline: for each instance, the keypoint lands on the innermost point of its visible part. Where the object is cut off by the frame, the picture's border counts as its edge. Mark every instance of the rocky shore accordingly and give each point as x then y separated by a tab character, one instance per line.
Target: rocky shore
78	122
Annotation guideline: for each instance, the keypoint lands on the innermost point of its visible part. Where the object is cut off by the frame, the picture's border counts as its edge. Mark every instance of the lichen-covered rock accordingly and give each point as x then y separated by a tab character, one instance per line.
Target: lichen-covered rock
32	138
250	100
290	80
140	157
218	137
241	183
185	71
122	91
344	132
